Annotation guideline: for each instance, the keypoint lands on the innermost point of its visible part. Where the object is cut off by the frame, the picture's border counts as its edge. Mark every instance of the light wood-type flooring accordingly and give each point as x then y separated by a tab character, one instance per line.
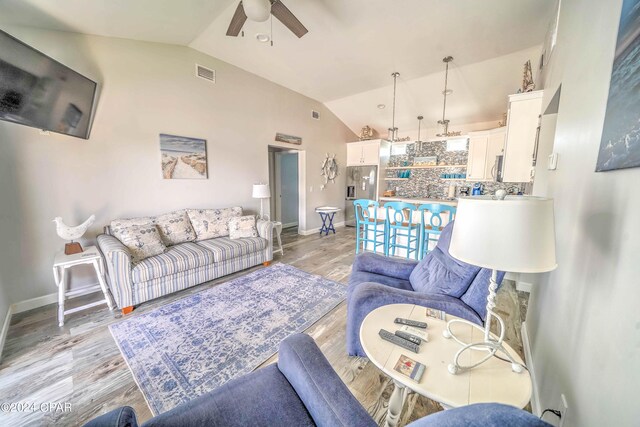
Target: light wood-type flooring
80	364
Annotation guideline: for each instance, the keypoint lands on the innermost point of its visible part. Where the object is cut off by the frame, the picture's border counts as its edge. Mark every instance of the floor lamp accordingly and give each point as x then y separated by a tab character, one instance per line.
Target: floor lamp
514	234
261	191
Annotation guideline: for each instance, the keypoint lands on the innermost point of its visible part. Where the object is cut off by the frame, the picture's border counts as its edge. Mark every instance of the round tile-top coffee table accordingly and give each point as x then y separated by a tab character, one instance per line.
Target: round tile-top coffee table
493	381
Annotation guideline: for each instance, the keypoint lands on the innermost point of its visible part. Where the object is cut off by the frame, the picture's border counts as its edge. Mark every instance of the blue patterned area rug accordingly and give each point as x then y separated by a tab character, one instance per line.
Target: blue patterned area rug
194	345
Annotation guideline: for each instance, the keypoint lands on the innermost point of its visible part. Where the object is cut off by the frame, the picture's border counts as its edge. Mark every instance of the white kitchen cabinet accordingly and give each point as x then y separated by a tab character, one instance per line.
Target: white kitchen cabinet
354	154
484	147
365	153
371	153
477	157
495	148
523	122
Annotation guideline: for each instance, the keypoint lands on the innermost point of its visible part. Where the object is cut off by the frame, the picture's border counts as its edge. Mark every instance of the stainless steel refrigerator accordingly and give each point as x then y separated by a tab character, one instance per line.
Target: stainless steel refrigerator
361	184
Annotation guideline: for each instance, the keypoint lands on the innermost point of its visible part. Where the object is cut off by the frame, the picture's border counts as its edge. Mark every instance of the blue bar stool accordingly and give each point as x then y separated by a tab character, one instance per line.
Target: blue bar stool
399	223
431	223
369	228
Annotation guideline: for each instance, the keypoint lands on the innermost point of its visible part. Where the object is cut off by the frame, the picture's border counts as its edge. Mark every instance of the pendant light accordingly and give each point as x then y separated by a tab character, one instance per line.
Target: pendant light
419	141
443	124
393	130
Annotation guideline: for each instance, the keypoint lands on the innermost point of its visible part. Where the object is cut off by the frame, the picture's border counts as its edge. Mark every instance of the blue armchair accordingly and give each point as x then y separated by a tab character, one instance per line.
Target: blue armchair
439	281
301	390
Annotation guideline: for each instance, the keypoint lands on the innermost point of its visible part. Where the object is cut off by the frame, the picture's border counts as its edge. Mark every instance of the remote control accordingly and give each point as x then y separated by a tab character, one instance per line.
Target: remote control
407	336
413	323
394	339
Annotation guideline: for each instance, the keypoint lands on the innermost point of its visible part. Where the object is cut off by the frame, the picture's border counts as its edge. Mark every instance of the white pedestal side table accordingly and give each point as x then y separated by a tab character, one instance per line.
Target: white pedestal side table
62	263
493	381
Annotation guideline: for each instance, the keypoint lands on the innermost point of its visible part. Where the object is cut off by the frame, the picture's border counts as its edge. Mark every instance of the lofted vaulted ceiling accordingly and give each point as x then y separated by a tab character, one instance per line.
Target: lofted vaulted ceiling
351	48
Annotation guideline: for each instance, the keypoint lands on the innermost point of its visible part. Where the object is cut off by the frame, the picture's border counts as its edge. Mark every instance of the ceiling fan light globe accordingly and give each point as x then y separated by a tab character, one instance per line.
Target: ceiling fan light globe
262	38
257	10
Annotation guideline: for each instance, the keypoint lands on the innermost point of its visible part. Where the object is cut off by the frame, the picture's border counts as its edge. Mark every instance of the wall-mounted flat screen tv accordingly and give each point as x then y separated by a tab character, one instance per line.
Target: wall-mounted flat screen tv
40	92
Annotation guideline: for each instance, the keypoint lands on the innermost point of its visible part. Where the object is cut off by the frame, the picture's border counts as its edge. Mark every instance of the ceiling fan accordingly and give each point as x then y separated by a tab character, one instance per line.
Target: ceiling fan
259	11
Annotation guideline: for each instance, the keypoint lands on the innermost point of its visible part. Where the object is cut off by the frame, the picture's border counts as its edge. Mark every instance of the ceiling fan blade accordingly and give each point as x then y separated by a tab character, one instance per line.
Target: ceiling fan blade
238	20
289	20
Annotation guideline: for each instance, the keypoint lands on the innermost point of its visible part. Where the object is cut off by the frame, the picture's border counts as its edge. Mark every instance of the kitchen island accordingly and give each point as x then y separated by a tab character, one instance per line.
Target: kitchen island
416	218
419	201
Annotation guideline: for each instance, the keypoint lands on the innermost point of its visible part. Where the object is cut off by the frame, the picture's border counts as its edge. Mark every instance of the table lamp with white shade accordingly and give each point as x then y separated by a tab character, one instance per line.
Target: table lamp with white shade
261	191
513	234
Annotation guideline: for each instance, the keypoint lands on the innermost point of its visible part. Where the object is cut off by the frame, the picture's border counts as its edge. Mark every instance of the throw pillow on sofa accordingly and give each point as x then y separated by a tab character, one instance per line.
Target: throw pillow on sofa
175	228
212	223
143	241
243	227
128	222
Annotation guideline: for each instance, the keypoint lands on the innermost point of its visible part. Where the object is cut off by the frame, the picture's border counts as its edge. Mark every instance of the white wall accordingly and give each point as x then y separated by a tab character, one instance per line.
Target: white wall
146	89
583	318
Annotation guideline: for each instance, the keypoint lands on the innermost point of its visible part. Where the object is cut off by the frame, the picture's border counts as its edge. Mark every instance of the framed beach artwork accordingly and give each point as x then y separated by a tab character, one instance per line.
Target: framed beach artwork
620	143
289	139
183	157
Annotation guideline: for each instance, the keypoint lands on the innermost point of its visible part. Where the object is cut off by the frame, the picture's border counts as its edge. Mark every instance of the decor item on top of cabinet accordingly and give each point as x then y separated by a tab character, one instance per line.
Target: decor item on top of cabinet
405	139
503	123
366	133
281	137
620	142
183	157
329	168
71	233
527	79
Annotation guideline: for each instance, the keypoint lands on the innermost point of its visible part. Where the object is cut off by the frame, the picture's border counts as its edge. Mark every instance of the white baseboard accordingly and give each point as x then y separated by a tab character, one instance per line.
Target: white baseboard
317	230
524	286
528	358
511	276
32	303
289	225
5	329
21	306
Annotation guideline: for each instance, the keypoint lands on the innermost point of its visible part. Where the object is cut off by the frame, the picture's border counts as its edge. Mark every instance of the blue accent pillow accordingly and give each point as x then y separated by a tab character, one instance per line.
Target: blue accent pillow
441	274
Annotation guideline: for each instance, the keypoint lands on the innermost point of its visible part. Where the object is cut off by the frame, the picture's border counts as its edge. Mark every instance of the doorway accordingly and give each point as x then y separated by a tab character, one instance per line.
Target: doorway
284	182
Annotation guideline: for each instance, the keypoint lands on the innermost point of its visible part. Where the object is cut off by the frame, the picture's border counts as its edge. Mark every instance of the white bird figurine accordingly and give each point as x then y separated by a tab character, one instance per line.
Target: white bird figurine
68	232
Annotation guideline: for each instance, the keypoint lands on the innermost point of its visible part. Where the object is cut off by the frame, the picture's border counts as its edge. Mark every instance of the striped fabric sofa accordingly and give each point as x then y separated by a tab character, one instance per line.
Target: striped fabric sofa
181	266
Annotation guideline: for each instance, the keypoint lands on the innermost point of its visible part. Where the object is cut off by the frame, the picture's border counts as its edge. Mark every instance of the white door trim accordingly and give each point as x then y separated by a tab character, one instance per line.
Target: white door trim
302	191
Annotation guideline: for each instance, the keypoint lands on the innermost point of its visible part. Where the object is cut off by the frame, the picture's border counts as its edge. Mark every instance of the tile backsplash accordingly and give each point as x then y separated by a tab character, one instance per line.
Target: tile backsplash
427	182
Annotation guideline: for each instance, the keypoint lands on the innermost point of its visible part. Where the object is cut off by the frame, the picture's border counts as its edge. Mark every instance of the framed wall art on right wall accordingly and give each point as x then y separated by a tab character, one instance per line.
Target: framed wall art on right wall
620	143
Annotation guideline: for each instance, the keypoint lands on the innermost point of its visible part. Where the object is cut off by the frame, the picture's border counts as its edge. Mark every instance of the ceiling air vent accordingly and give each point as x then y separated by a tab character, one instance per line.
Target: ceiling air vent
205	73
315	115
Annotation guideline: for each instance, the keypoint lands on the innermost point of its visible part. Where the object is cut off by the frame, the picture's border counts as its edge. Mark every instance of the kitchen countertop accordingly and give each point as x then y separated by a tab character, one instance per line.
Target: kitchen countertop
418	201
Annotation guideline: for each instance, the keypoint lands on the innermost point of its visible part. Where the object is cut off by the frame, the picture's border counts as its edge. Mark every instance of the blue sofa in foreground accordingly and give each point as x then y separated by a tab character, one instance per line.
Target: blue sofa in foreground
439	281
301	390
